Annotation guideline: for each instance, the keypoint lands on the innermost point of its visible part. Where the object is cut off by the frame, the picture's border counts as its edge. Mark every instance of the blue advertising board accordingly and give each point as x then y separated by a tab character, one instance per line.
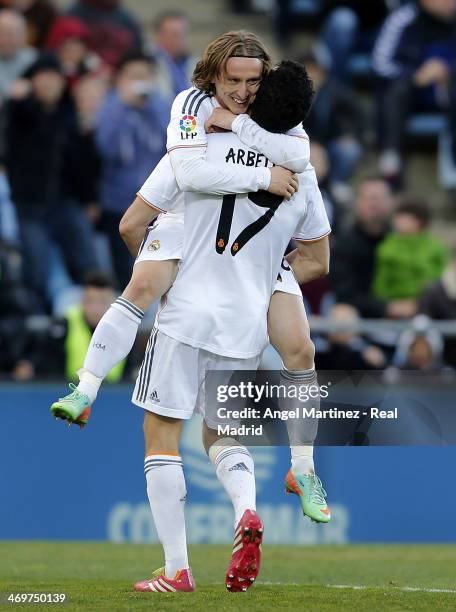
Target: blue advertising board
63	483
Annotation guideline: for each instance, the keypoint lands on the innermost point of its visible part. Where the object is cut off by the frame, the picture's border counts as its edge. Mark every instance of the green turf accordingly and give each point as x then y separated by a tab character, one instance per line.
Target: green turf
98	576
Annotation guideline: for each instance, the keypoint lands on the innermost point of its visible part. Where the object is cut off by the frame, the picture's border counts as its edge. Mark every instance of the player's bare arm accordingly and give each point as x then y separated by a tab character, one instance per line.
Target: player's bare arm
310	260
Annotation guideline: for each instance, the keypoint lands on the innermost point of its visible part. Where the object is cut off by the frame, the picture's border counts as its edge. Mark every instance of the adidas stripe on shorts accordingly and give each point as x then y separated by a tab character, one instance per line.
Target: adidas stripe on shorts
171	379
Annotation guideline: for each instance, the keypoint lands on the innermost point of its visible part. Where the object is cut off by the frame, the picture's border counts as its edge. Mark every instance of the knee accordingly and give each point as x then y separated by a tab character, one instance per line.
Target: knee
142	287
299	355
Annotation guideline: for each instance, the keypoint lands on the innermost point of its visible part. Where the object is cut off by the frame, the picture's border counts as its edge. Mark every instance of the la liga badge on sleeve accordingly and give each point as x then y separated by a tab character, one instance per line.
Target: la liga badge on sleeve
187	124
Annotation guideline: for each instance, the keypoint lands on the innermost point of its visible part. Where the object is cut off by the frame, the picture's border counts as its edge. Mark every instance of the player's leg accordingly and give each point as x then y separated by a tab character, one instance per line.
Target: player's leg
153	273
235	470
166	487
166	491
289	334
166	402
234	467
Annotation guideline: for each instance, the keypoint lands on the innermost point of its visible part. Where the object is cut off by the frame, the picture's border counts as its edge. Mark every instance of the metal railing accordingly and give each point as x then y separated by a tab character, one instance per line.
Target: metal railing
322	325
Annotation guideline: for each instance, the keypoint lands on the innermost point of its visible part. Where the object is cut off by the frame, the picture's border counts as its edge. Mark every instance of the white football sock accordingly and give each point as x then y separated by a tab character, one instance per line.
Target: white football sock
88	384
301	431
302	459
111	342
167	493
235	470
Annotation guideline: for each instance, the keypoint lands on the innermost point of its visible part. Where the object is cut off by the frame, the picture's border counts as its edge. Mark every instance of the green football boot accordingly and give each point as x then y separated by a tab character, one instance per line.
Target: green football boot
74	408
311	493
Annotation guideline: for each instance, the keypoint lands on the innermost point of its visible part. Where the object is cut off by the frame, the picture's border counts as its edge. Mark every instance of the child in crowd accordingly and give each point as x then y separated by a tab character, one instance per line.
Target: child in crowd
409	258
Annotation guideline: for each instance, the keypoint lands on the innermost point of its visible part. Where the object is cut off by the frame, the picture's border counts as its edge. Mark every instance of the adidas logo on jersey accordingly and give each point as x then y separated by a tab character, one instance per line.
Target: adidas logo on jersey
240	466
154	396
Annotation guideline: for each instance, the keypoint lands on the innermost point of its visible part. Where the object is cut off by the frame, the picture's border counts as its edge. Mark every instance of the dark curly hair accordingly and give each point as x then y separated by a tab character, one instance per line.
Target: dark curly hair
284	98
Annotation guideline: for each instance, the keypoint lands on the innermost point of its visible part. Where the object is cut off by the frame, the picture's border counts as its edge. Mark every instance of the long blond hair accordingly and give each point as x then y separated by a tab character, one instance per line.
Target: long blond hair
232	44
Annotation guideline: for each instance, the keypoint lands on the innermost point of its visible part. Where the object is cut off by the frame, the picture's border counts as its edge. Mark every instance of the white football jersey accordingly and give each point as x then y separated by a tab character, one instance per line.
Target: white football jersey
189	112
160	189
232	252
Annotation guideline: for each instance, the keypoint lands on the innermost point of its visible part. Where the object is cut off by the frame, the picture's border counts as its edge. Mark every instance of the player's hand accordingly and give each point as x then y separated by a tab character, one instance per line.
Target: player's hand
283	182
221	118
213	129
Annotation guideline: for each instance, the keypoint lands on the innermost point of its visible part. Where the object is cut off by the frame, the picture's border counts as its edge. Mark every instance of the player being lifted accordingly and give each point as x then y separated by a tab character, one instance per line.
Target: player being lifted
227	78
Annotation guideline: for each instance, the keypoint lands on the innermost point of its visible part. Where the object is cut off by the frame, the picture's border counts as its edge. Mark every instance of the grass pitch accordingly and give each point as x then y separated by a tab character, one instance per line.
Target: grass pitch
99	576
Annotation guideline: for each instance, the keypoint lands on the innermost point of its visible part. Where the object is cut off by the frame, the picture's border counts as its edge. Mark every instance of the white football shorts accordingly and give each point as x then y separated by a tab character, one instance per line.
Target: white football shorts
163	239
171	381
286	281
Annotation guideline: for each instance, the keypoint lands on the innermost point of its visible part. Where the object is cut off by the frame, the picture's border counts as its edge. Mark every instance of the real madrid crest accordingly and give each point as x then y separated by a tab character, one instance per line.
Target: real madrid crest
154	245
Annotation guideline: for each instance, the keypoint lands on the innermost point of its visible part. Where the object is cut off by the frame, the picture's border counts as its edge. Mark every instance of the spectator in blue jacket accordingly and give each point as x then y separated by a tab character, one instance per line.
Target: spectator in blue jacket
412	57
131	138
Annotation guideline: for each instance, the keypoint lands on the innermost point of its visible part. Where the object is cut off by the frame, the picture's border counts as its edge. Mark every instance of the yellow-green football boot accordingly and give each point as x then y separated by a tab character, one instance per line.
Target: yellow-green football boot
311	494
74	408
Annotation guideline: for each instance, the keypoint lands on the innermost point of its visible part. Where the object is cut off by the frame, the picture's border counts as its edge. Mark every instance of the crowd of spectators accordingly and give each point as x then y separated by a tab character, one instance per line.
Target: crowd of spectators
384	73
84	104
403	50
